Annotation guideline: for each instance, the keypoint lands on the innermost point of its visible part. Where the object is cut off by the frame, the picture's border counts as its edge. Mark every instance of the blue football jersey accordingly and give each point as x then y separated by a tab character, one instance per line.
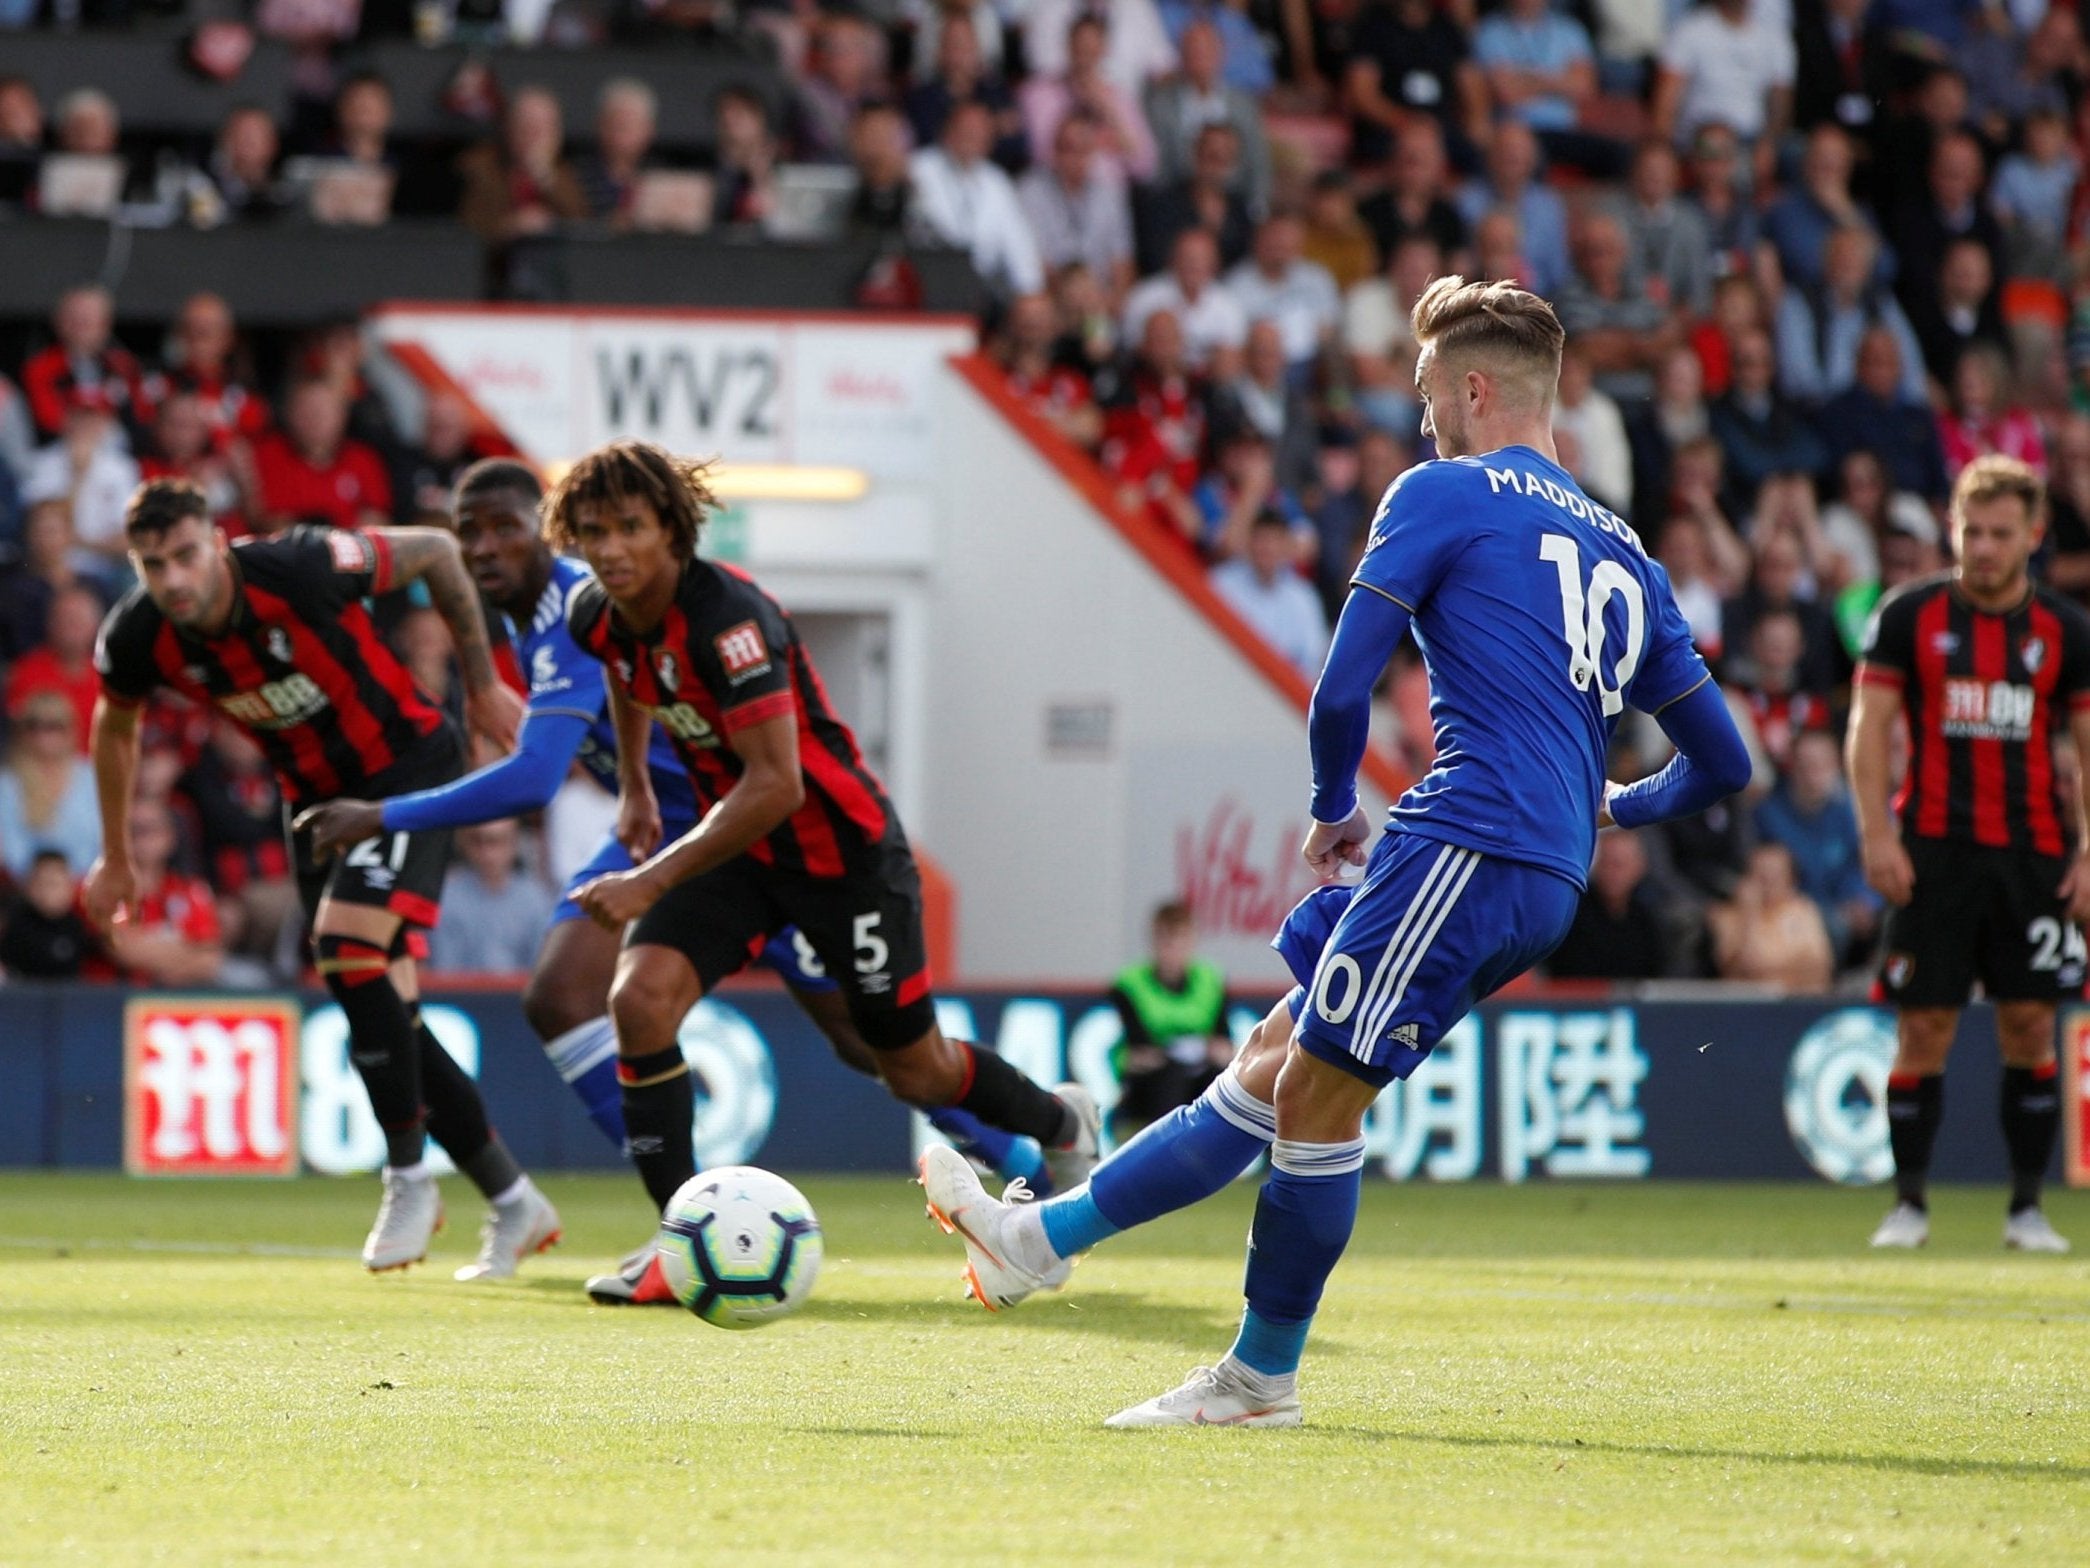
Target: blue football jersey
565	680
1541	618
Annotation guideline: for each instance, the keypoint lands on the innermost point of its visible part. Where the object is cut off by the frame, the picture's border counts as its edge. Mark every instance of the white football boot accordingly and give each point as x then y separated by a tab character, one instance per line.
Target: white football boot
1905	1226
410	1213
964	1208
522	1227
1213	1396
2028	1231
1070	1164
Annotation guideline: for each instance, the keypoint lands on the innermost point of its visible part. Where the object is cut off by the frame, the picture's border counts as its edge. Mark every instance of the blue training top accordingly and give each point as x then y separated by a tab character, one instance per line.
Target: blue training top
1540	617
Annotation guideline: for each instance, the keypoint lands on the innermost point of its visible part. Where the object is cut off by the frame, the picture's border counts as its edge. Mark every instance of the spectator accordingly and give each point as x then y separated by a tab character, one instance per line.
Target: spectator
1770	932
84	359
1723	65
1820	326
1905	142
1541	70
171	936
1875	414
21	140
1206	200
1767	681
17	432
1866	511
1778	586
423	472
1617	932
1415	199
1267	398
2068	508
1512	181
1246	54
1277	284
1077	211
1182	106
744	159
422	642
1173	1010
1088	325
1675	416
1760	431
1407	59
1720	195
1905	554
311	471
239	817
1154	419
1982	417
1241	486
206	364
1352	487
47	795
1056	393
1379	337
64	664
2032	193
46	937
1262	587
967	201
845	70
89	126
1336	234
362	130
1960	311
52	561
1686	554
963	75
1597	432
1950	210
1668	247
1138	47
1498	249
333	353
1624	333
1840	64
884	199
88	468
239	179
522	185
1809	812
627	117
1124	141
1801	222
1214	324
2013	74
494	913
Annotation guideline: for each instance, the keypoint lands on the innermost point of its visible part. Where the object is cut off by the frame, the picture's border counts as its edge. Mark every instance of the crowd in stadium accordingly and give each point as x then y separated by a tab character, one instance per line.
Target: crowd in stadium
1813	256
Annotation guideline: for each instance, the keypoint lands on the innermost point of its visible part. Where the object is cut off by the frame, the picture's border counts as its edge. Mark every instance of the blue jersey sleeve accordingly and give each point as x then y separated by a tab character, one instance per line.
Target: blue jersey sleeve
1339	720
562	678
1673	666
522	782
1421	528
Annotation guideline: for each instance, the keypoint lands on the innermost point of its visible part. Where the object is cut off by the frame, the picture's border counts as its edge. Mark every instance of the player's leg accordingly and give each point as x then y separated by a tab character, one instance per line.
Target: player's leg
2032	959
820	998
2031	1112
567	998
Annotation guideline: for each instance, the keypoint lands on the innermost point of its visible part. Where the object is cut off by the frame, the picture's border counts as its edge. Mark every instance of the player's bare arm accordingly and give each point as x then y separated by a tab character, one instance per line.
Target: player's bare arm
2075	886
1887	866
114	743
431	555
770	788
336	825
638	808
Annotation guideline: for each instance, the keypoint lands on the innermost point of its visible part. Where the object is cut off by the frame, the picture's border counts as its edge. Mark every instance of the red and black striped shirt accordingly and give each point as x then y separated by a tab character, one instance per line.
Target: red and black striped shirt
299	666
724	657
1986	695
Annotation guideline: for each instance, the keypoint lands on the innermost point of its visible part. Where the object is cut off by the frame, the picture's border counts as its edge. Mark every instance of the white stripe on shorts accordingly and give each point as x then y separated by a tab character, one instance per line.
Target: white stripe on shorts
1389	961
1419	948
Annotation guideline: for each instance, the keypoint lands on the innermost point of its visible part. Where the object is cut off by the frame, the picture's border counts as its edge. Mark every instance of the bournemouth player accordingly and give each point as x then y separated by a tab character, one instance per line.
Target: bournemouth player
1985	868
793	829
527	586
1541	618
274	634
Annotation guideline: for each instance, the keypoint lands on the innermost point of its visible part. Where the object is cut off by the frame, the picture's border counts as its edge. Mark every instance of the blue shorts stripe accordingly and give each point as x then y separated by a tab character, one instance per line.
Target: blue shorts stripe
1389	960
1419	948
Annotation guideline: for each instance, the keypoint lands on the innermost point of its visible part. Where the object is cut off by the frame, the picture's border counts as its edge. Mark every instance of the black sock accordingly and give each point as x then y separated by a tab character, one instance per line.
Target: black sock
381	1042
1002	1097
659	1103
457	1117
2031	1117
1914	1108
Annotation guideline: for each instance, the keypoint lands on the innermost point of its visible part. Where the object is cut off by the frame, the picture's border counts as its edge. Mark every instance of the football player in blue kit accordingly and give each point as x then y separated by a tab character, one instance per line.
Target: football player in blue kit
568	720
1540	618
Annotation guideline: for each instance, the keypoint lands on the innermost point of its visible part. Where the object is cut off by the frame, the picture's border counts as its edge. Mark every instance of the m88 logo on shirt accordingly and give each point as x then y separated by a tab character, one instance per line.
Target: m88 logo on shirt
278	705
1987	710
685	724
210	1087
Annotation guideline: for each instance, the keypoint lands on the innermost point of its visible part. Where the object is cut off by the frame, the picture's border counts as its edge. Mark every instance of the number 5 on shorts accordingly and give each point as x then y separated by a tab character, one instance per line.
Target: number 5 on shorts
871	951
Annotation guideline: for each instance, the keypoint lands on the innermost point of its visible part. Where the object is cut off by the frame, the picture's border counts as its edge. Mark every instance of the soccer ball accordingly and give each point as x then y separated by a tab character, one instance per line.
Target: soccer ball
740	1247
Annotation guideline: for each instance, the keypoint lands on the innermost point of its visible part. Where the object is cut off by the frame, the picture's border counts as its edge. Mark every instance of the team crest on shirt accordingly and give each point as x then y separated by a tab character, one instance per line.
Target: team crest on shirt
1945	643
278	641
2033	652
742	651
196	673
669	671
624	671
1898	970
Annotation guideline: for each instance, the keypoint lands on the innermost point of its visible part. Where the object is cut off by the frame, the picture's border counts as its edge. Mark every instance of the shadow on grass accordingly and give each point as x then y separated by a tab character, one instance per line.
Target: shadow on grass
1908	1464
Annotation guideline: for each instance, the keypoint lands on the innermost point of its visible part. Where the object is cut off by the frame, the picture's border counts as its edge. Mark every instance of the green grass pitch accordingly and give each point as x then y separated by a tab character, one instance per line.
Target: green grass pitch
1558	1375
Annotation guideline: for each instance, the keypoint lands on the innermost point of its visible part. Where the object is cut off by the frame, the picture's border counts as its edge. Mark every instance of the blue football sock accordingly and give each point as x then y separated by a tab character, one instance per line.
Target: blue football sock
1007	1154
1186	1156
1303	1220
586	1057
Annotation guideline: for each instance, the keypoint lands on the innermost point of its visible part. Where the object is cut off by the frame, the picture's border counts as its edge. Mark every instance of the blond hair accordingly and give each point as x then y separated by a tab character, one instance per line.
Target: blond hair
1512	328
1995	477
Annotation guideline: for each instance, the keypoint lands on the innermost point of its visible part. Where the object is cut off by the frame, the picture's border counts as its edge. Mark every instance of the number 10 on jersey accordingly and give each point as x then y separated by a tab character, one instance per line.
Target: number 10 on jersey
1582	619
